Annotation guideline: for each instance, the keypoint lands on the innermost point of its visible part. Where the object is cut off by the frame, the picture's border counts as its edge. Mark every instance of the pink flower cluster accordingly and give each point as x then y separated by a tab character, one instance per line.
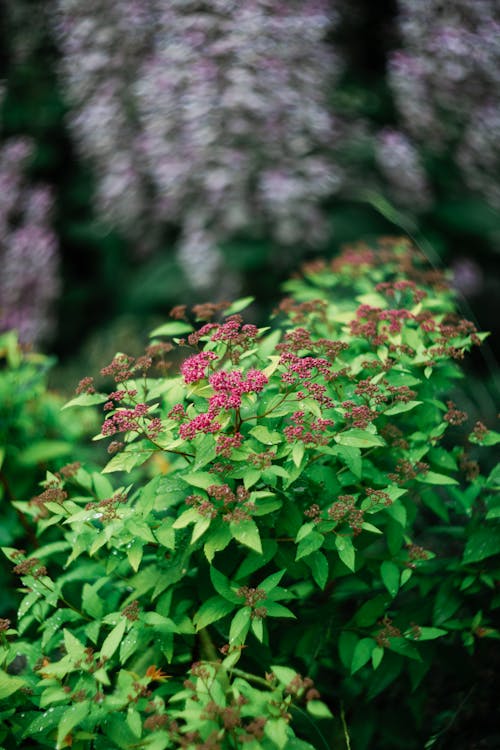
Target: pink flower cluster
366	323
227	443
308	430
195	368
229	387
129	420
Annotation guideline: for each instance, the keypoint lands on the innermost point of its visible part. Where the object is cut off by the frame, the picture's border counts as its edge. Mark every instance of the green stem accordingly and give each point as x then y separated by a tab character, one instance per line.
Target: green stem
344	727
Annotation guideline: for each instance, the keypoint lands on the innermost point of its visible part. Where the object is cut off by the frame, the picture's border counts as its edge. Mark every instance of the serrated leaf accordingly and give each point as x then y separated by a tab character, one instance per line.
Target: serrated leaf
318	564
199	529
401	407
310	543
247	533
427	634
9	684
211	610
432	477
298	451
217	540
269	583
74	648
223	587
362	653
358	438
257	628
274	609
201	479
346	551
240	625
483	543
266	436
403	647
113	639
389	572
70	719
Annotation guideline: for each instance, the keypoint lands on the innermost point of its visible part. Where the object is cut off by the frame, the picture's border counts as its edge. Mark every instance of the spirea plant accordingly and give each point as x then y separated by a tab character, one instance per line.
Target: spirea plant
289	528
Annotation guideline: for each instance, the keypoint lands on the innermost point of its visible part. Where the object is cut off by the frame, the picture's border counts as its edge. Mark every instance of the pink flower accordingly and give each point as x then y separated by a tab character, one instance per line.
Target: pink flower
195	368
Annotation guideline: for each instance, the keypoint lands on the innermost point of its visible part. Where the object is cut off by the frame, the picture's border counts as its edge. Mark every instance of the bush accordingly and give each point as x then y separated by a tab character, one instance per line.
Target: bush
297	531
34	436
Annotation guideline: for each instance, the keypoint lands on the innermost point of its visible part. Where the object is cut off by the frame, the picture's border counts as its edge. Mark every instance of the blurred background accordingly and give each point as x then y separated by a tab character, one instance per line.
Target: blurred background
158	152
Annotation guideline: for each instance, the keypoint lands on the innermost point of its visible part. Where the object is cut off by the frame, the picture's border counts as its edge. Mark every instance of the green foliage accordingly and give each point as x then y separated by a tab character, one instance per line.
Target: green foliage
298	501
33	436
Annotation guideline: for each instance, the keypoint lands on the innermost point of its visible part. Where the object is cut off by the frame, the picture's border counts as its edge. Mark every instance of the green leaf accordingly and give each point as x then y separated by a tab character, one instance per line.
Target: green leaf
274	609
127	459
74	648
42	451
359	438
310	543
217	540
240	625
86	399
238	306
190	515
346	644
298	451
199	528
427	634
134	721
113	639
285	675
403	647
346	551
270	583
351	456
377	656
70	719
371	610
9	684
401	407
174	328
432	477
318	564
483	543
276	730
266	436
165	534
389	573
319	710
223	587
201	479
211	610
257	627
247	533
362	653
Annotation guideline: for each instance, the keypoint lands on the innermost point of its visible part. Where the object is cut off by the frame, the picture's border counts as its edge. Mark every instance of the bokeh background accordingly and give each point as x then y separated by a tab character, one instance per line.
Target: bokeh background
156	152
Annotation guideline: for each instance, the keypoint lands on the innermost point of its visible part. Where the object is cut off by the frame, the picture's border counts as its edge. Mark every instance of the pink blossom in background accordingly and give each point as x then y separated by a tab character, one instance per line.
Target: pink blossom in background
446	82
29	267
209	116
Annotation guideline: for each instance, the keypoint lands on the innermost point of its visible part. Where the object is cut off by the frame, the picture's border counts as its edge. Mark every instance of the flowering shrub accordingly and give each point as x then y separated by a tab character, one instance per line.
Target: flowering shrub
299	529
